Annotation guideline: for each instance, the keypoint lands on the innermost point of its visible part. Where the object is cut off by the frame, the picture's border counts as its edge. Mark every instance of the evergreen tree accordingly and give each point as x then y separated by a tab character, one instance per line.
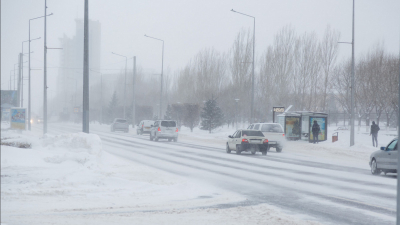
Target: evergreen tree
112	108
212	116
168	114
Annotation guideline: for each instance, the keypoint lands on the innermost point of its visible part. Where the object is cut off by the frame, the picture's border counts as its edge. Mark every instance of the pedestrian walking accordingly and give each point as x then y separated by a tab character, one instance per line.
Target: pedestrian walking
374	132
315	131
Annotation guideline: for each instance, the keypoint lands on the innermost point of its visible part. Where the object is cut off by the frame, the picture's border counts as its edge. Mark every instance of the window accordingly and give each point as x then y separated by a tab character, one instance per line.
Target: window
234	134
392	146
256	133
275	128
168	124
250	127
256	127
238	134
156	124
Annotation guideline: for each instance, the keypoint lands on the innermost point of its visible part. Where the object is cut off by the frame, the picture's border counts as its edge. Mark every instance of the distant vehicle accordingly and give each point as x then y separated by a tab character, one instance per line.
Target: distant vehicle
273	132
164	129
247	140
385	159
144	127
120	124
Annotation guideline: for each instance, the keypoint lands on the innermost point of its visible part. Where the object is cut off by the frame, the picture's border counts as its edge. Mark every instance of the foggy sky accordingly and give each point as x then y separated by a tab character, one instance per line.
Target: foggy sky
186	27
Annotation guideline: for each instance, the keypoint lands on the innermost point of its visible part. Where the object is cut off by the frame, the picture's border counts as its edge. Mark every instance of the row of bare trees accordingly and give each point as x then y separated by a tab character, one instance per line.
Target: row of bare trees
302	70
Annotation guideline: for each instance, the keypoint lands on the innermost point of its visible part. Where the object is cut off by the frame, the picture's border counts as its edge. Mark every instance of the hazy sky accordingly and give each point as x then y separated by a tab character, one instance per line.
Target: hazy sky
186	27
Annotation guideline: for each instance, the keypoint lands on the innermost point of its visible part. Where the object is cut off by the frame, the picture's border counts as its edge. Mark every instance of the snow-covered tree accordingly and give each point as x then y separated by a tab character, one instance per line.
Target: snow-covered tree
190	115
211	116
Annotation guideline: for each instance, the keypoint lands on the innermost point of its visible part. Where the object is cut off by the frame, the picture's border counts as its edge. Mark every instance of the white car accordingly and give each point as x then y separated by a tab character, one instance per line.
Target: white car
164	129
384	160
273	131
144	127
120	124
247	140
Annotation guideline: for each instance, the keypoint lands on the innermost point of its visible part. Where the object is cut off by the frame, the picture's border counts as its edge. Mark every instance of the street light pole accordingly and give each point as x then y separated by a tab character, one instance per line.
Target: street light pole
45	73
29	72
85	101
162	69
236	100
252	74
133	97
126	64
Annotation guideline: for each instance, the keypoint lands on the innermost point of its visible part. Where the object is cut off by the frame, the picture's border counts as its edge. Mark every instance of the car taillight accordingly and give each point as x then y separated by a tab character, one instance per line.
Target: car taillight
283	135
159	129
177	130
265	141
245	140
142	125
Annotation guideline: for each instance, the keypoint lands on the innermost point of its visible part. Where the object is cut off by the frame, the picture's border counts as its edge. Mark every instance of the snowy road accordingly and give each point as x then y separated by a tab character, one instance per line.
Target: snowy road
327	193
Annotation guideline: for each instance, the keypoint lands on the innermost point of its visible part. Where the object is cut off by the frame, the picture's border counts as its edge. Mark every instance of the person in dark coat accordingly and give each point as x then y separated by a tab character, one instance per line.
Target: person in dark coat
315	131
374	132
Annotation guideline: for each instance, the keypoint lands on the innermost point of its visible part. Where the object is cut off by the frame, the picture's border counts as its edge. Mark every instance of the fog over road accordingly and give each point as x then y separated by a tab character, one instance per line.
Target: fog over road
327	193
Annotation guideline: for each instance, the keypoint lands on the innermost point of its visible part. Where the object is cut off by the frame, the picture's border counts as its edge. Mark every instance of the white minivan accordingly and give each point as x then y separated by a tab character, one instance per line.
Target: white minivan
144	127
164	129
273	131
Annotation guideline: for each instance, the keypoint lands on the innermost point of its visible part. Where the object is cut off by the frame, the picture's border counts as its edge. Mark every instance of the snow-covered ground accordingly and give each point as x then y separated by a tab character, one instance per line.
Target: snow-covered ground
70	179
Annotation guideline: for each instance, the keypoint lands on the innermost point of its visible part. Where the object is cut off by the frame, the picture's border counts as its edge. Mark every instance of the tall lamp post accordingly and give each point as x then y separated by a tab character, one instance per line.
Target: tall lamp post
29	72
252	74
162	68
352	84
126	63
22	70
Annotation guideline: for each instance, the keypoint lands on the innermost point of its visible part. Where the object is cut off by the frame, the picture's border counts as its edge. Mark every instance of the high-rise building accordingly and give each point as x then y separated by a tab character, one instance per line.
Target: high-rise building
70	75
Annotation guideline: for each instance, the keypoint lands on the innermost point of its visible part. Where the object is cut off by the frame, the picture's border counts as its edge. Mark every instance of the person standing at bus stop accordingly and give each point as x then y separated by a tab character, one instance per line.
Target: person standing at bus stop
374	132
315	130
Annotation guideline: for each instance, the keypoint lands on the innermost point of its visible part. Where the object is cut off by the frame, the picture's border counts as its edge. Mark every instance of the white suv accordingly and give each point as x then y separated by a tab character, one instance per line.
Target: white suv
273	131
164	129
144	127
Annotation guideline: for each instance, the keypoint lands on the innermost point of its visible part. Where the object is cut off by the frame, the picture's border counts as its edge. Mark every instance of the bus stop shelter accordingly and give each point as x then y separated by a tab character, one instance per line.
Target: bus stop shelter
297	125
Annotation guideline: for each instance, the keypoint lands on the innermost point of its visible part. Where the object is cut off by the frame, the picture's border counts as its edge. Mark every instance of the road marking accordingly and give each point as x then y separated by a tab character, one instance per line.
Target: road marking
362	203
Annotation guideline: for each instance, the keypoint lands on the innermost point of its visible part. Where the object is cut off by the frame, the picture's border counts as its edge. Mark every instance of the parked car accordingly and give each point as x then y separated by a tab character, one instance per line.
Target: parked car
247	140
120	124
273	132
164	129
144	127
385	159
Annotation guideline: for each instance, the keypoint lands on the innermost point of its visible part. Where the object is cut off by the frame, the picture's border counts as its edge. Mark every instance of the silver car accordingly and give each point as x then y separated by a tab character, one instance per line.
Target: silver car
120	124
384	160
144	127
164	129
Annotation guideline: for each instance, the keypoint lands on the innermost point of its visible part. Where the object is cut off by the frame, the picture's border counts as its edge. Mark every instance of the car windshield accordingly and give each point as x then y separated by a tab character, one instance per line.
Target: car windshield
168	124
120	121
256	133
275	128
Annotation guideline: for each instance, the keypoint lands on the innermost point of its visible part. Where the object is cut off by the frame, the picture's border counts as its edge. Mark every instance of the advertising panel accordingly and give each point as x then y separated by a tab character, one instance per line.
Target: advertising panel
9	97
322	125
292	127
18	118
5	115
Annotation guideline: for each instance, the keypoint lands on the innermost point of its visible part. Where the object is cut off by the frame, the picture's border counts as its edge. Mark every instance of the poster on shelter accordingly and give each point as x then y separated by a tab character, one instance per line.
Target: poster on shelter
9	97
5	115
292	127
18	118
322	125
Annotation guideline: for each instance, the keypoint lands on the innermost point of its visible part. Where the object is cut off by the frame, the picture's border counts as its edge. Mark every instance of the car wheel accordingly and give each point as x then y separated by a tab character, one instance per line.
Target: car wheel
228	150
238	149
264	152
175	139
374	168
151	137
156	138
169	139
278	149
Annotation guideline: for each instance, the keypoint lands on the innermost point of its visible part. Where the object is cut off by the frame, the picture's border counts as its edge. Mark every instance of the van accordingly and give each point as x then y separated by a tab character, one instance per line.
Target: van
164	129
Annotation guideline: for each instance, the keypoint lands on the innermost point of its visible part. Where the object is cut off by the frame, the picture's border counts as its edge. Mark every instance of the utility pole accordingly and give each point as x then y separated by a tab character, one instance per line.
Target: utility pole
398	155
85	106
134	90
19	79
352	85
45	72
